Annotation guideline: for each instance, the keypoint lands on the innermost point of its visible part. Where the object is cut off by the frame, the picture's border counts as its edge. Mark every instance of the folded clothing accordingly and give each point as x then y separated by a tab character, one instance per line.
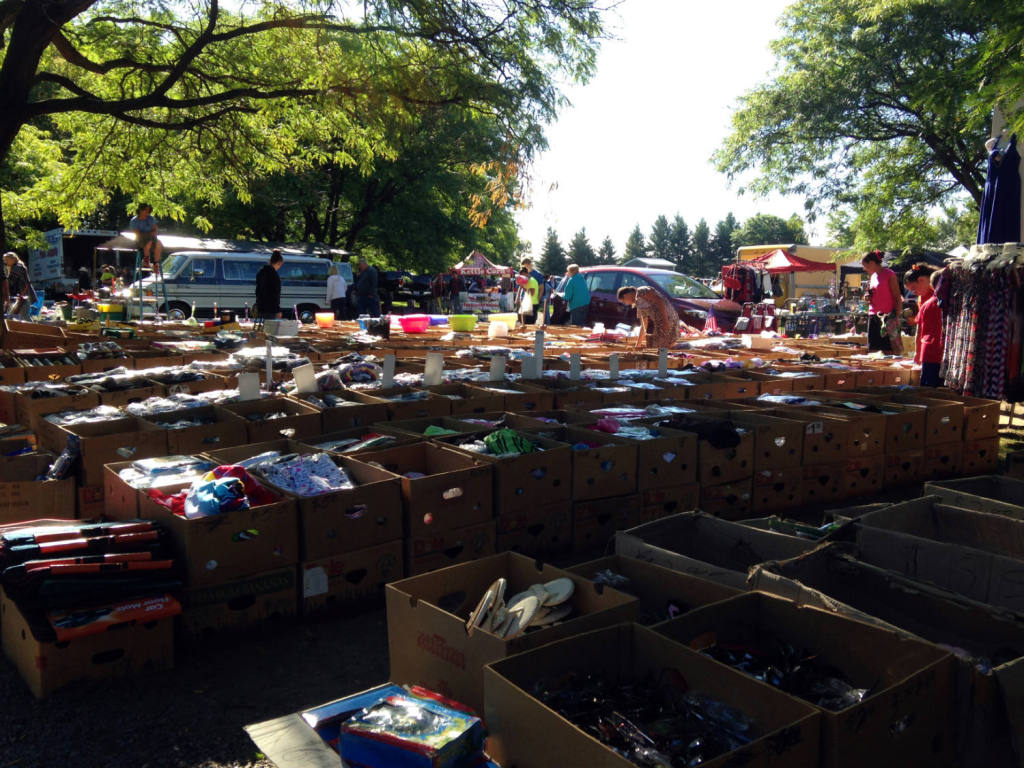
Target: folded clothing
223	489
304	474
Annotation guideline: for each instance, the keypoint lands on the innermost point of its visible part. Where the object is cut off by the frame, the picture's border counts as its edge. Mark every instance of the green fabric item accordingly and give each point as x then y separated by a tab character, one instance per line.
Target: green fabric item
435	431
506	441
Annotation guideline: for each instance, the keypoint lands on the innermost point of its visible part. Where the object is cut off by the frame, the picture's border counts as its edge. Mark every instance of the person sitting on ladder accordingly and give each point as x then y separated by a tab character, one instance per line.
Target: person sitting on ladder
144	226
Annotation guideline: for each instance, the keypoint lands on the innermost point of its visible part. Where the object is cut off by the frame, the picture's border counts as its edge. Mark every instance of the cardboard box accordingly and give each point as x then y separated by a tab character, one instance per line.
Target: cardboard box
142	389
427	639
864	475
349	578
521	397
909	711
775	489
22	497
661	592
231	545
572	394
224	432
661	502
442	548
706	546
833	580
826	436
990	493
90	503
595	522
527	734
942	460
866	433
468	400
824	483
723	465
351	413
981	417
112	441
607	470
976	554
904	468
540	532
981	456
778	443
454	491
302	421
29	411
238	604
321	442
527	481
666	461
399	410
121	651
417	427
731	501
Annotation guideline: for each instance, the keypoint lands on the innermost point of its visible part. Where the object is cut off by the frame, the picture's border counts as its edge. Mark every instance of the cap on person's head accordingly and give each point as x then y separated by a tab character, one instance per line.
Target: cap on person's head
526	260
276	257
11	255
144	207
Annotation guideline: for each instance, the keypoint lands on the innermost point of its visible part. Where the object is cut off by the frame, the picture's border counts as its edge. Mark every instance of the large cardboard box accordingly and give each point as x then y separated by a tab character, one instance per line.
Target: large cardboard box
442	548
775	489
417	427
907	716
141	389
731	501
349	578
29	411
527	734
981	417
990	641
826	436
521	397
942	460
223	432
543	531
323	442
399	407
824	483
300	421
778	442
452	491
595	522
609	469
467	400
240	604
988	493
661	592
661	502
981	456
866	435
705	546
666	461
427	639
121	651
977	554
23	497
349	413
903	468
864	475
230	545
116	440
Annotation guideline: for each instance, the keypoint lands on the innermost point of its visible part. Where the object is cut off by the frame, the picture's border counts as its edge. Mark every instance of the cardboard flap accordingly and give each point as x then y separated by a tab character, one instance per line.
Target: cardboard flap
288	741
1011	685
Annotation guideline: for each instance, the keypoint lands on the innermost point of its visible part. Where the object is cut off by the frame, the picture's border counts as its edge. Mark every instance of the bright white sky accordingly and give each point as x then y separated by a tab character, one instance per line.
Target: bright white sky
638	139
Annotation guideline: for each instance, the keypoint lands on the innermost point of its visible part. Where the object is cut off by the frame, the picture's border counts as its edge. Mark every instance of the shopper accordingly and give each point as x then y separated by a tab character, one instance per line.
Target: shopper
367	299
659	323
528	298
22	295
144	226
336	290
577	296
886	306
538	277
455	290
84	280
268	288
922	279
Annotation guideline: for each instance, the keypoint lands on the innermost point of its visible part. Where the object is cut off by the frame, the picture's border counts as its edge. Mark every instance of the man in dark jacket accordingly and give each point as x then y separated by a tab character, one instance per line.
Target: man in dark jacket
268	287
367	301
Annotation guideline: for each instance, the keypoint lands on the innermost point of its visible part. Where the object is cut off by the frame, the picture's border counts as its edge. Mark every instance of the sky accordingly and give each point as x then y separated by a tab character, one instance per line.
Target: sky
636	142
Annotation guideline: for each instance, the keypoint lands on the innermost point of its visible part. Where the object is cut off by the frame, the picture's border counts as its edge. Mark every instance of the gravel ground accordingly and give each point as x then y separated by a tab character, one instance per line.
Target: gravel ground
192	716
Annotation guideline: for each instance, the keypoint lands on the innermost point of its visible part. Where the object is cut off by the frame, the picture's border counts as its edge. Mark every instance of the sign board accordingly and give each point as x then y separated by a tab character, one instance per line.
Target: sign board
48	263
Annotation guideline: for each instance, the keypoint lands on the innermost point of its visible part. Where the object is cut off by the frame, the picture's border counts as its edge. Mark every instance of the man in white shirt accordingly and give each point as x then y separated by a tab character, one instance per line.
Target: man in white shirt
336	290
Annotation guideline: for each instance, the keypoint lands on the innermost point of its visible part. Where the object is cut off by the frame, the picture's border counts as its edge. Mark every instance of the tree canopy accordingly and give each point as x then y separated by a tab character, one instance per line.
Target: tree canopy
552	260
176	102
879	108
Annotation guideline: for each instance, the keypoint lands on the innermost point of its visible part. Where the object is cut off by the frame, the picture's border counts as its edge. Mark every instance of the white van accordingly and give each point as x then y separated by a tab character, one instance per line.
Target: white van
228	280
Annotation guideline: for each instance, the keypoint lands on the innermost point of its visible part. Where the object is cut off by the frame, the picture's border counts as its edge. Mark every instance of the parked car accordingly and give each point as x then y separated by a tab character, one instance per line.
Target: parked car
691	299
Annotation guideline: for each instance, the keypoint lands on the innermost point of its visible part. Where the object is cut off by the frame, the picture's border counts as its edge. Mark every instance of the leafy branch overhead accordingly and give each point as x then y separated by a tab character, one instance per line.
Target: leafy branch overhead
168	99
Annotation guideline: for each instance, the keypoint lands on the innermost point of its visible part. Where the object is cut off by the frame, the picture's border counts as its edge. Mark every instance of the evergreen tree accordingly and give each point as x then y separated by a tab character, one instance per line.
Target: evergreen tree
581	251
552	259
680	247
702	258
660	239
636	248
606	254
721	244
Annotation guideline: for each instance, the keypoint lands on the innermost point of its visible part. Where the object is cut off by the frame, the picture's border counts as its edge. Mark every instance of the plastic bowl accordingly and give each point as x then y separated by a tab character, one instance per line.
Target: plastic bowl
462	322
508	318
438	319
414	323
324	319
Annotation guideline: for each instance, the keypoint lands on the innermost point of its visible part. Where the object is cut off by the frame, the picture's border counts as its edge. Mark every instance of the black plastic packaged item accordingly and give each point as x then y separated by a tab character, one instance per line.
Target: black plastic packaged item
64	463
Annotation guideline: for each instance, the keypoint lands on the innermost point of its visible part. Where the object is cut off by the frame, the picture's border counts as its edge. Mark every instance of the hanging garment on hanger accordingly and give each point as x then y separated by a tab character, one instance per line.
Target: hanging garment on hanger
1000	220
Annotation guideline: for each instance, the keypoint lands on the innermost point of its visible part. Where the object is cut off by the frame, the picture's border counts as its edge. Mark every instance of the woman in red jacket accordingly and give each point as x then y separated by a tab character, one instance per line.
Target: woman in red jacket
921	279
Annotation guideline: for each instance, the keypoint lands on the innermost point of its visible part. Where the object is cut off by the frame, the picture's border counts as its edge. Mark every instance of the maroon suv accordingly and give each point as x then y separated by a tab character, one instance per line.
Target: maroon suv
691	299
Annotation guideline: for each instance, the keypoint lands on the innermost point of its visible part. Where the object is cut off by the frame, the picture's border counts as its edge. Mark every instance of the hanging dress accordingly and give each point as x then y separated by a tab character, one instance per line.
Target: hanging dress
1000	220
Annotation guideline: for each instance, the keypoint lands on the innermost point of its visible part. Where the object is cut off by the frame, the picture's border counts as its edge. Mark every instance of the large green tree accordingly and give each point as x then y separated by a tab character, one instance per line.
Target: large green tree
680	248
703	260
606	253
722	248
169	101
875	107
661	239
766	229
636	247
581	252
552	259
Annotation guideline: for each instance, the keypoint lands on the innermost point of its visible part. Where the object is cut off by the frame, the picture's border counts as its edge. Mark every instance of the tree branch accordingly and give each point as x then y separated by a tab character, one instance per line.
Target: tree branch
74	57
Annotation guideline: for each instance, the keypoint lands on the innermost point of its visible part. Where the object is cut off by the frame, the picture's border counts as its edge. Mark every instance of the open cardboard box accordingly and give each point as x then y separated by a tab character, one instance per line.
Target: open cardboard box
302	421
468	400
907	715
224	431
399	409
988	493
527	734
519	397
321	442
238	604
351	413
705	546
827	435
609	469
718	465
989	705
110	441
427	638
23	497
349	578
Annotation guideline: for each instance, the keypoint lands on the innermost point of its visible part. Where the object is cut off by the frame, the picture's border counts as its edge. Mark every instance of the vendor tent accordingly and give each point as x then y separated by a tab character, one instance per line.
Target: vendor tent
478	264
779	262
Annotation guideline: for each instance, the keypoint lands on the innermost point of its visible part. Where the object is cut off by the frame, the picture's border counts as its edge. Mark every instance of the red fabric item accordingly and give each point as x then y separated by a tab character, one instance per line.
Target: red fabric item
929	333
258	495
779	261
174	502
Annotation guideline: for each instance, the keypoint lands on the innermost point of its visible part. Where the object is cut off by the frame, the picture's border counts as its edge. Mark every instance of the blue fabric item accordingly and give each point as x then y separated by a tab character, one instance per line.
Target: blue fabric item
1000	203
211	497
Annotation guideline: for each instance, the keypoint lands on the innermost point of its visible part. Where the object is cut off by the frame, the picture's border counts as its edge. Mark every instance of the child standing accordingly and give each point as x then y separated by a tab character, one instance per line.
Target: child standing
921	279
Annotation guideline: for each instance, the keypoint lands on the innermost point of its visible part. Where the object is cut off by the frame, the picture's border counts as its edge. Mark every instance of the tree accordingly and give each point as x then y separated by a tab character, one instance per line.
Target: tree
680	248
606	253
875	106
552	260
660	239
635	248
765	229
703	263
721	242
581	252
167	100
